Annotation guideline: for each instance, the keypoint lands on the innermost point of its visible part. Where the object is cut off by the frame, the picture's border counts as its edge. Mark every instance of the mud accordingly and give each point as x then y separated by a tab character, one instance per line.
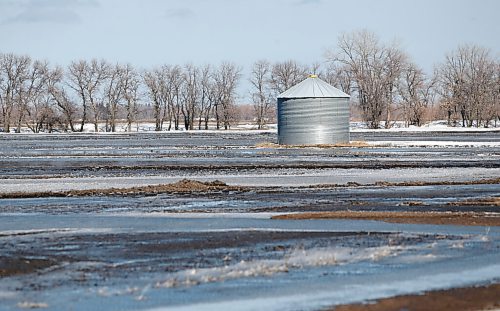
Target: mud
353	144
22	265
182	186
492	181
219	198
195	154
478	202
120	254
436	218
47	170
466	299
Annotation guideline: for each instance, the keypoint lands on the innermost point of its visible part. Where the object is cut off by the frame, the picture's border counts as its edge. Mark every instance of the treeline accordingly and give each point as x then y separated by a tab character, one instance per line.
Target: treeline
42	97
385	80
384	83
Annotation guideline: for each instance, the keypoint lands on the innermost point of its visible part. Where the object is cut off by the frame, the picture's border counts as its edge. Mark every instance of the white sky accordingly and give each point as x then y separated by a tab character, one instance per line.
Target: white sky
154	32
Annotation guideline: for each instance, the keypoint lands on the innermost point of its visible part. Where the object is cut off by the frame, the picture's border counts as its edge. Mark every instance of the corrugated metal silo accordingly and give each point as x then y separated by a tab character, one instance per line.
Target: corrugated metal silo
313	112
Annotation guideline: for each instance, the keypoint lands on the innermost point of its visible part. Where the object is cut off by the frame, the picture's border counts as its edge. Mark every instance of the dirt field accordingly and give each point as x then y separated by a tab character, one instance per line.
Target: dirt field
435	218
465	299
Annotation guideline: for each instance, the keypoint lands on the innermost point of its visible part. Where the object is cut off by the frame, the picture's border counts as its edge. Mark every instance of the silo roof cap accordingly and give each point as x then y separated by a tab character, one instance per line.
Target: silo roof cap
313	87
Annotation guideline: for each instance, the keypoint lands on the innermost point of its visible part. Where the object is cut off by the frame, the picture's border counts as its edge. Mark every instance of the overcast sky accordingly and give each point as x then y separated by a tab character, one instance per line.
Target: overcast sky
153	32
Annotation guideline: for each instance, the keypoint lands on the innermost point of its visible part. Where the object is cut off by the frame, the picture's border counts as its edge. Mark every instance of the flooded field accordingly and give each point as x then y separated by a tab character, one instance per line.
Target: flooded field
136	221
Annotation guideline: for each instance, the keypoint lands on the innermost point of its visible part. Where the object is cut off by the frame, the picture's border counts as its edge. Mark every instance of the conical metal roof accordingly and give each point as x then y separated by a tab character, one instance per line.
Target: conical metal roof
313	87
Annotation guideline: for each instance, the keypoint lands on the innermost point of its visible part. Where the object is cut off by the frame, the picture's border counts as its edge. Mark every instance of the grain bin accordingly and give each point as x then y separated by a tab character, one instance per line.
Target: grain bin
313	112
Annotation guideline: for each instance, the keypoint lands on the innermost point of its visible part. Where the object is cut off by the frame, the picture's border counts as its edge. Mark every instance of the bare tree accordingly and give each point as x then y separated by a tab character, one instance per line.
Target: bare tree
448	94
416	93
33	99
171	90
86	79
153	81
339	76
41	114
495	111
374	69
60	99
190	89
226	79
286	74
206	96
14	71
77	80
113	89
316	69
394	63
468	81
25	93
130	89
262	94
164	86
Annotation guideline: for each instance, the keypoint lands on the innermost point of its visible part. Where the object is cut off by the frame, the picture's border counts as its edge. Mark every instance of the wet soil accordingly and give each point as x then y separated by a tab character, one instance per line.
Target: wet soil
149	154
215	197
466	299
105	255
435	218
182	186
22	265
492	181
189	186
44	169
478	202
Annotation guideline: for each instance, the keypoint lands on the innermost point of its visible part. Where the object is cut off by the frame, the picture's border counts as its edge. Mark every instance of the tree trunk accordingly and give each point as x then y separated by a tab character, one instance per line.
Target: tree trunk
84	116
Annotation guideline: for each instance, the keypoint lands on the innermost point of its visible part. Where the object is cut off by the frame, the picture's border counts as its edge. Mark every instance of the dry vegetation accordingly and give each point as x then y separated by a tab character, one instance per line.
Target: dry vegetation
492	181
470	298
351	144
437	218
18	266
494	201
193	186
182	186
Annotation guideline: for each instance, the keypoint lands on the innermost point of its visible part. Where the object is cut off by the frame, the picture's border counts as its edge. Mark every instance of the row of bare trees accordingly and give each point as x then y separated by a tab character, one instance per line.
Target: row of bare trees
269	80
180	97
190	96
469	85
24	87
386	84
101	89
382	79
41	97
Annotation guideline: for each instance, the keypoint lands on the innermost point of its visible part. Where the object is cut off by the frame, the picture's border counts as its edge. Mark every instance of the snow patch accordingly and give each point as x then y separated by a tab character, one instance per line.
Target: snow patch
428	143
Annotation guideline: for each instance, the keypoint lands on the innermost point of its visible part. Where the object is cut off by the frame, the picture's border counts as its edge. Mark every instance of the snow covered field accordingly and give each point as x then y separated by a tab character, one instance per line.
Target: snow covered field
398	126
